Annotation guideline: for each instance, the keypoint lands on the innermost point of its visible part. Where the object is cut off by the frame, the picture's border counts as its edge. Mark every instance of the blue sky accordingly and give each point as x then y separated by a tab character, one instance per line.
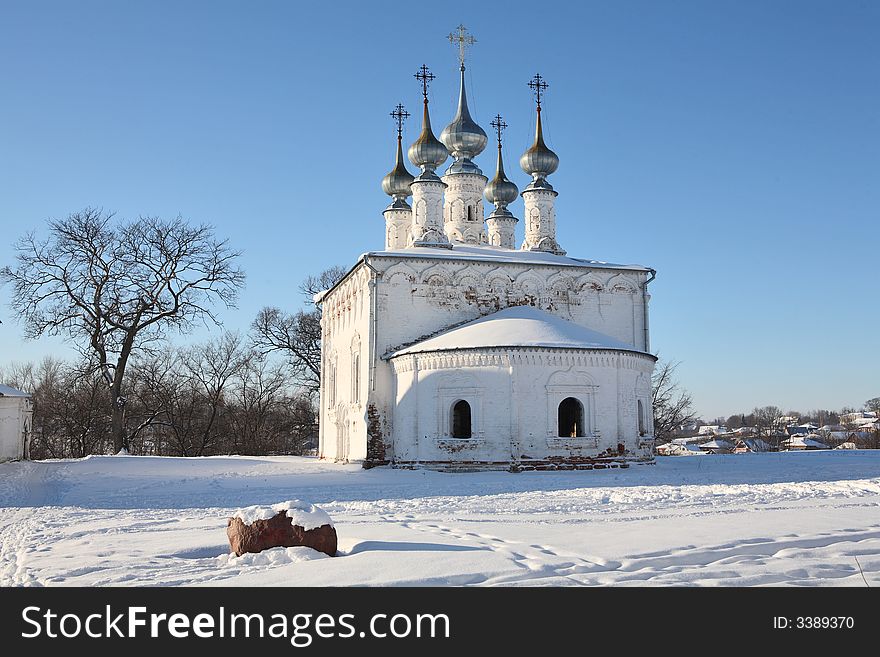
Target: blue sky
733	146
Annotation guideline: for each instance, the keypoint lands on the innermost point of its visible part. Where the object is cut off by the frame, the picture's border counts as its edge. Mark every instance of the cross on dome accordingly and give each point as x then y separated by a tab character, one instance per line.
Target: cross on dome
400	115
424	76
462	40
499	125
539	86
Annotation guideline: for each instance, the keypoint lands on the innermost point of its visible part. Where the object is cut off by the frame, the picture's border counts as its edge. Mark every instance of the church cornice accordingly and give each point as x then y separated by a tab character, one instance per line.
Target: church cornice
499	257
530	356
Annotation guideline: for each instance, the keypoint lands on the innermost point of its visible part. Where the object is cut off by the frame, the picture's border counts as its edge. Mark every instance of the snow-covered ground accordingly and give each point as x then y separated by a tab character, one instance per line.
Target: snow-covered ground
809	518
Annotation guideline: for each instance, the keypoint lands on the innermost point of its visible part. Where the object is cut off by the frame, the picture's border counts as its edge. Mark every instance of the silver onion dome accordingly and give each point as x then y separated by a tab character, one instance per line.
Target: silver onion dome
397	181
539	161
463	137
500	191
426	152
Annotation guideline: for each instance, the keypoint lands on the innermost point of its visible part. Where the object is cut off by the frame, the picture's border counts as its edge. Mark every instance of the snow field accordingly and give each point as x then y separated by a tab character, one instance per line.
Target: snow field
802	519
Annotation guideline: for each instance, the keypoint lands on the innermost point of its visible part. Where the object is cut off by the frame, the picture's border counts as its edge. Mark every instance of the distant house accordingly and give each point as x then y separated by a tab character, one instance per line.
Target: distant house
798	442
860	424
712	430
857	417
746	431
801	429
867	424
748	445
16	420
677	448
717	446
846	445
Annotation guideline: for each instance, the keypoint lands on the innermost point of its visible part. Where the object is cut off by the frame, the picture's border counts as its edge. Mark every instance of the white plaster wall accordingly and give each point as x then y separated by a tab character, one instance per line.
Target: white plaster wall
514	397
501	231
464	190
427	213
398	222
15	416
346	330
418	297
540	217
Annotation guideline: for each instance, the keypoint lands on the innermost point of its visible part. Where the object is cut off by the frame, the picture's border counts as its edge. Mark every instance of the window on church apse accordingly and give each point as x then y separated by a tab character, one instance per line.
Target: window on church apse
571	418
641	418
461	419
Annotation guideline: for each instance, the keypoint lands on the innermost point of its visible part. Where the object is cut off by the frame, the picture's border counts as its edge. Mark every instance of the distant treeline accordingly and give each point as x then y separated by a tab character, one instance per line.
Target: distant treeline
220	397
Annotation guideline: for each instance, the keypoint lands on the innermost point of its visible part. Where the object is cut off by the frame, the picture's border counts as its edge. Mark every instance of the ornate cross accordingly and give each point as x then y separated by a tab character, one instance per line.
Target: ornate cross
424	76
499	125
400	115
462	40
539	86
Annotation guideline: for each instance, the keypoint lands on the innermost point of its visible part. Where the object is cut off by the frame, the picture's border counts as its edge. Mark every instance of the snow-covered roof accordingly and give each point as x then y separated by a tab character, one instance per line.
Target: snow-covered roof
804	441
9	391
519	326
754	444
716	444
498	254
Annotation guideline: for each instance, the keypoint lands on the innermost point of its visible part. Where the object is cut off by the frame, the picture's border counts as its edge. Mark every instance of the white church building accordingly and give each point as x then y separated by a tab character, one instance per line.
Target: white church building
456	348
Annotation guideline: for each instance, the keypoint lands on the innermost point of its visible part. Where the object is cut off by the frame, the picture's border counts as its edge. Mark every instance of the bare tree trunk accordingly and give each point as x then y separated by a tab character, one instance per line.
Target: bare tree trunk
117	399
117	420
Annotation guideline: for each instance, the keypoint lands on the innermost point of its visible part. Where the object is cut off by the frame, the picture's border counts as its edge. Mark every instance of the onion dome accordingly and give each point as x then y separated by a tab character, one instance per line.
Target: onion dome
397	181
427	153
500	191
539	161
463	137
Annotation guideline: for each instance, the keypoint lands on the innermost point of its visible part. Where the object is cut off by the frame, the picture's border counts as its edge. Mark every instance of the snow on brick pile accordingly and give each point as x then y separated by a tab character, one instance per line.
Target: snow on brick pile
273	557
303	514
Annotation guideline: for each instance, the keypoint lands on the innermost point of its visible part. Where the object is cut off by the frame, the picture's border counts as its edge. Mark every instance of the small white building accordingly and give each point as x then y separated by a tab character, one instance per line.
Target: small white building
16	419
455	349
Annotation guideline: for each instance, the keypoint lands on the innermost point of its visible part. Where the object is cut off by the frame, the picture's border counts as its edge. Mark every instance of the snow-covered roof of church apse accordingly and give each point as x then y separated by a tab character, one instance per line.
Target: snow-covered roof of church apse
498	254
8	391
519	326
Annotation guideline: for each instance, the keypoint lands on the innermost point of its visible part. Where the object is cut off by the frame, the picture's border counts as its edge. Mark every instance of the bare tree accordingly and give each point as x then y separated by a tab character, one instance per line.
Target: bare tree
297	335
847	418
260	399
210	368
69	405
113	288
673	405
768	420
873	405
322	282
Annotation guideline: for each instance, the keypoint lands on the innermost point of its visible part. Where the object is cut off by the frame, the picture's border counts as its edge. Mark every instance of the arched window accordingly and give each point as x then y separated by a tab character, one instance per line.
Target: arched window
641	418
461	419
470	213
571	418
356	378
331	387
